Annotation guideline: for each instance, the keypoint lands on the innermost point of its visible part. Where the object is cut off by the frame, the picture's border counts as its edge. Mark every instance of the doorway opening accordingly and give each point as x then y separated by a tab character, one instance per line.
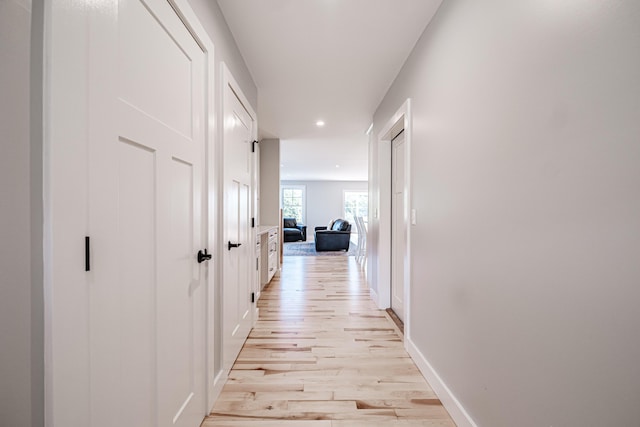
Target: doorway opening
393	269
399	225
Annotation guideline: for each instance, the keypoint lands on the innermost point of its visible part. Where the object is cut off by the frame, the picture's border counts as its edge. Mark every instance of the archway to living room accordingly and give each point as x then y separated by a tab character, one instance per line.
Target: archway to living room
321	217
324	183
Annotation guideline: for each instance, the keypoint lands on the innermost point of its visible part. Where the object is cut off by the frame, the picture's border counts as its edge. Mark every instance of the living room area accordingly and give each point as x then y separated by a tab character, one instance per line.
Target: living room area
319	217
312	188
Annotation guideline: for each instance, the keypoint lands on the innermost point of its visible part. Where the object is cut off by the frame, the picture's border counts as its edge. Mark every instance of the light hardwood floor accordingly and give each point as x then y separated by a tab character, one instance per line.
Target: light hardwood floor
322	355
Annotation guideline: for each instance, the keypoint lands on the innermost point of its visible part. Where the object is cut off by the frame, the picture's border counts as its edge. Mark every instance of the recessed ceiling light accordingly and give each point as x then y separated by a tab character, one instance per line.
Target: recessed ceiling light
337	166
320	123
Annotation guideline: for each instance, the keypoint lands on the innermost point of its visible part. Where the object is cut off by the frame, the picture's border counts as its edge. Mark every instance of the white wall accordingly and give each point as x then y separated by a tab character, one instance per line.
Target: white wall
21	328
211	18
325	200
526	178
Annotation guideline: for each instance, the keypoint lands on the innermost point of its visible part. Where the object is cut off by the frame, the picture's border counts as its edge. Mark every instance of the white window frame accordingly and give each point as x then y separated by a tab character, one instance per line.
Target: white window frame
304	198
344	202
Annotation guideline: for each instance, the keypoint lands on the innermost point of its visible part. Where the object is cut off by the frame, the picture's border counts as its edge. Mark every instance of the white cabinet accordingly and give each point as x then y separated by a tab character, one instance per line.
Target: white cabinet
258	258
268	237
273	253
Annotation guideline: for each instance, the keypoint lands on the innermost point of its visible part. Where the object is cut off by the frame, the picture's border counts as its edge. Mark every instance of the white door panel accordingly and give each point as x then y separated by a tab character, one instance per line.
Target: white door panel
137	235
147	114
399	224
156	57
231	267
177	283
244	300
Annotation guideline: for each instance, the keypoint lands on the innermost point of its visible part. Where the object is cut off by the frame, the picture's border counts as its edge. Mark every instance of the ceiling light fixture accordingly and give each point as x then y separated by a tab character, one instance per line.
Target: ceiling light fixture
320	123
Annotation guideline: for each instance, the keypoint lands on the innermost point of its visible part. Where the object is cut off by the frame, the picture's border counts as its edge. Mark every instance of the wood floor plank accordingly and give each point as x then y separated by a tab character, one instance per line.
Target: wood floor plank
211	422
322	355
393	423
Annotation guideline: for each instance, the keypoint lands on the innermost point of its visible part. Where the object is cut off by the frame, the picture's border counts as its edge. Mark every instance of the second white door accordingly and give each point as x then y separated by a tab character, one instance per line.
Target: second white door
237	242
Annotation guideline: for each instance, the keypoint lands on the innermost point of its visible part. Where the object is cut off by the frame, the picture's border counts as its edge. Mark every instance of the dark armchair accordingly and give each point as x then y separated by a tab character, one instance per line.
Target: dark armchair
336	239
292	231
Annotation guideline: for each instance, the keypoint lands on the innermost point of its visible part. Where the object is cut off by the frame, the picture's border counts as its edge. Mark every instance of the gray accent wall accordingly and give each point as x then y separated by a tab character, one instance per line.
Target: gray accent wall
525	161
21	291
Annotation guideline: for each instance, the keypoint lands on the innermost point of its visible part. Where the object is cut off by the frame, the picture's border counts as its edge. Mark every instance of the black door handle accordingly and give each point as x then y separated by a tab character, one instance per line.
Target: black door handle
233	245
203	256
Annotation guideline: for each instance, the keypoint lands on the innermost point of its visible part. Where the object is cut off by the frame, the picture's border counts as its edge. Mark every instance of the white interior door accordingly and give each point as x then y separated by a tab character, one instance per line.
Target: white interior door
238	260
398	225
147	300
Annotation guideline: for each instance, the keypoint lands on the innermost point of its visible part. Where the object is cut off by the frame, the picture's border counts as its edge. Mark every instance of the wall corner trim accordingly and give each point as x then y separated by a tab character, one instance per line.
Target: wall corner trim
449	401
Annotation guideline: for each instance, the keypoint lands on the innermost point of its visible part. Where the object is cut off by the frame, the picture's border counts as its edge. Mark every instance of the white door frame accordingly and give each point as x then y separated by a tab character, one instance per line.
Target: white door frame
401	120
66	86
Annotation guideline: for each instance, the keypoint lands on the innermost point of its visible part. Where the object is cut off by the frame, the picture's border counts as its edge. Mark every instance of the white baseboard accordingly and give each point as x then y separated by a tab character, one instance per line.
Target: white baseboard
449	401
218	384
374	296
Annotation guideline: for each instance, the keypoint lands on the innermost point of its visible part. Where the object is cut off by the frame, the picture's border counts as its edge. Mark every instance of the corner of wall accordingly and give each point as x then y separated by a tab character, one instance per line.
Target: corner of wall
269	181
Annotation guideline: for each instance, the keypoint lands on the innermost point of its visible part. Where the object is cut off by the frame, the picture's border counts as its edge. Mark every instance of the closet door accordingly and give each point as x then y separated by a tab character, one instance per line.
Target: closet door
146	151
237	284
399	225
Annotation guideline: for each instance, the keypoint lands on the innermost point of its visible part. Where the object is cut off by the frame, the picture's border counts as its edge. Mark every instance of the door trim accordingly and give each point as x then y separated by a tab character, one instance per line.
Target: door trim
401	120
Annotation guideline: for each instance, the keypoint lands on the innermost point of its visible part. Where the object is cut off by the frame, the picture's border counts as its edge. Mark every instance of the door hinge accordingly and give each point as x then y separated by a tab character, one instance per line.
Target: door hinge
253	297
253	146
87	253
253	223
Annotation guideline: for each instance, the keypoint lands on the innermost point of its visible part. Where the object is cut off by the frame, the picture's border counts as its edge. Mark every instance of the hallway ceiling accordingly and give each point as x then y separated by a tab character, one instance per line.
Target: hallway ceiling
330	60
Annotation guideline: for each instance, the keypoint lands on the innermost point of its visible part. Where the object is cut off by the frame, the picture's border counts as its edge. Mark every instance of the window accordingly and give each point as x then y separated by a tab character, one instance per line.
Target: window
356	203
293	202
